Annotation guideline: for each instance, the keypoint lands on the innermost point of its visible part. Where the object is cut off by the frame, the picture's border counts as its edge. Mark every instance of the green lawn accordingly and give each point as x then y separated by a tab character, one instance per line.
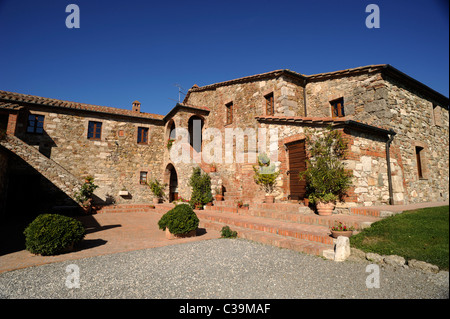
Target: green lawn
421	234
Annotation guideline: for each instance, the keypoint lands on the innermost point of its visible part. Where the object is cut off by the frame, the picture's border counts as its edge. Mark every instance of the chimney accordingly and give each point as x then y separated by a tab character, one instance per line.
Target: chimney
136	106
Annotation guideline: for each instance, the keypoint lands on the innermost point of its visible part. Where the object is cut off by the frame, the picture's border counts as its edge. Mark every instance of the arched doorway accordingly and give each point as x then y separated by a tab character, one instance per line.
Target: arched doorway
171	178
195	126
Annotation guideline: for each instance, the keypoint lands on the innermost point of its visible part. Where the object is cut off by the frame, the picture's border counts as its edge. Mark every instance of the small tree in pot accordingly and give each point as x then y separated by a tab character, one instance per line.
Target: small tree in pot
85	194
201	188
326	178
157	189
265	176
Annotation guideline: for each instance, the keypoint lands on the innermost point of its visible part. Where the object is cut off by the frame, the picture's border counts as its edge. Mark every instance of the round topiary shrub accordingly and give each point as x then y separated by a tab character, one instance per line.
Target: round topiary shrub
50	234
179	220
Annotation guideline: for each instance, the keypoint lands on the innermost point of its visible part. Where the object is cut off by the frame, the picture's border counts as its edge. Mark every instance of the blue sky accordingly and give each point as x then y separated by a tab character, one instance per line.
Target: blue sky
128	50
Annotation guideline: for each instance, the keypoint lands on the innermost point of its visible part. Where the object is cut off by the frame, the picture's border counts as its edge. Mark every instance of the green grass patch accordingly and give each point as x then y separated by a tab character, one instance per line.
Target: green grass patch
421	234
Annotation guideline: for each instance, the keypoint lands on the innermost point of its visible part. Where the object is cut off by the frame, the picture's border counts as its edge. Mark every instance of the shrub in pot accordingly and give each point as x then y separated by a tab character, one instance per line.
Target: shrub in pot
326	178
180	220
157	189
50	234
265	176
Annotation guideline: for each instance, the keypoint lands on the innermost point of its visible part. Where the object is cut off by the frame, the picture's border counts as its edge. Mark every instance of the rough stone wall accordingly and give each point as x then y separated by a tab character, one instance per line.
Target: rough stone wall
183	167
115	161
248	101
381	101
357	91
417	123
366	160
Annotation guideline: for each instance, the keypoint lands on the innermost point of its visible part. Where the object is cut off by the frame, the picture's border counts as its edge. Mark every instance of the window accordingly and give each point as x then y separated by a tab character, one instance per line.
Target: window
142	137
143	178
419	159
229	107
269	104
94	130
35	124
337	108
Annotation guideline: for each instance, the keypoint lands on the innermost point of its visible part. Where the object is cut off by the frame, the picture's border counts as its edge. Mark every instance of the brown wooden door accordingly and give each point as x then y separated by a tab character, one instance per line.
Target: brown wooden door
297	164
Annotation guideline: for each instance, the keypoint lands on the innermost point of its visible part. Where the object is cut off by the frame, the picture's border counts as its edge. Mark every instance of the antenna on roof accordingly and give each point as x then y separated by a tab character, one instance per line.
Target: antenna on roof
179	91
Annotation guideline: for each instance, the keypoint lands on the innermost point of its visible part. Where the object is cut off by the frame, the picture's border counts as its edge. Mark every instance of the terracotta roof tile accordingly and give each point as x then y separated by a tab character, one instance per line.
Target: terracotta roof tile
10	106
12	96
315	121
301	119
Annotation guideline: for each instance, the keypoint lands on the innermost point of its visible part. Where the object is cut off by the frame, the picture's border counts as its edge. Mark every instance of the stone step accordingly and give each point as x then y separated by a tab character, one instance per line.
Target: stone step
300	245
306	217
314	233
51	170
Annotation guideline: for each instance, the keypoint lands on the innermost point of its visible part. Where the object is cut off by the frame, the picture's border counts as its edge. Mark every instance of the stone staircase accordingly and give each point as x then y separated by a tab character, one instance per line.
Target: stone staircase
48	168
285	225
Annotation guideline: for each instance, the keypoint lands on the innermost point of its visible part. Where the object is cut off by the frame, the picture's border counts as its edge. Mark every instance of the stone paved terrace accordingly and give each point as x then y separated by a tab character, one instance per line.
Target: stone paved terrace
134	227
400	208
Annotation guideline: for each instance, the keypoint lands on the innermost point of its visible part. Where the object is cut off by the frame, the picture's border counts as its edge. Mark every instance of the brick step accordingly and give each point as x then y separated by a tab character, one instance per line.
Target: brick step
126	208
296	244
285	207
314	233
165	206
365	211
296	217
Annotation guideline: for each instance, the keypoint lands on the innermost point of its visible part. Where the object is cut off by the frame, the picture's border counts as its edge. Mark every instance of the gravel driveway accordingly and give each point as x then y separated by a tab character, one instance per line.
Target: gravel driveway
218	268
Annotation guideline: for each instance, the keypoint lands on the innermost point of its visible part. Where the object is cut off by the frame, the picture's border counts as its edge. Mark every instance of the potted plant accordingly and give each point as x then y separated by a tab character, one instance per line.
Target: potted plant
213	168
218	196
341	230
180	221
240	204
265	176
326	178
201	188
245	206
84	196
157	189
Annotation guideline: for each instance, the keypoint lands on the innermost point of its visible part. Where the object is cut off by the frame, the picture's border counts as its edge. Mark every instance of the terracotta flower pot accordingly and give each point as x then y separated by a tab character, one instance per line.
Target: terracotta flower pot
325	209
219	197
337	233
270	199
169	235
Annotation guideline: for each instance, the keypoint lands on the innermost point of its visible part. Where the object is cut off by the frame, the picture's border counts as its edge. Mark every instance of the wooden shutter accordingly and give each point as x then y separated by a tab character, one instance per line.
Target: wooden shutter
297	164
269	104
229	113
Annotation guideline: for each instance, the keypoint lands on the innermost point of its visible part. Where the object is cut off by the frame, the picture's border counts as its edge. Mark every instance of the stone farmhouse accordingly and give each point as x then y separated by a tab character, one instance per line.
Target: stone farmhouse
396	127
